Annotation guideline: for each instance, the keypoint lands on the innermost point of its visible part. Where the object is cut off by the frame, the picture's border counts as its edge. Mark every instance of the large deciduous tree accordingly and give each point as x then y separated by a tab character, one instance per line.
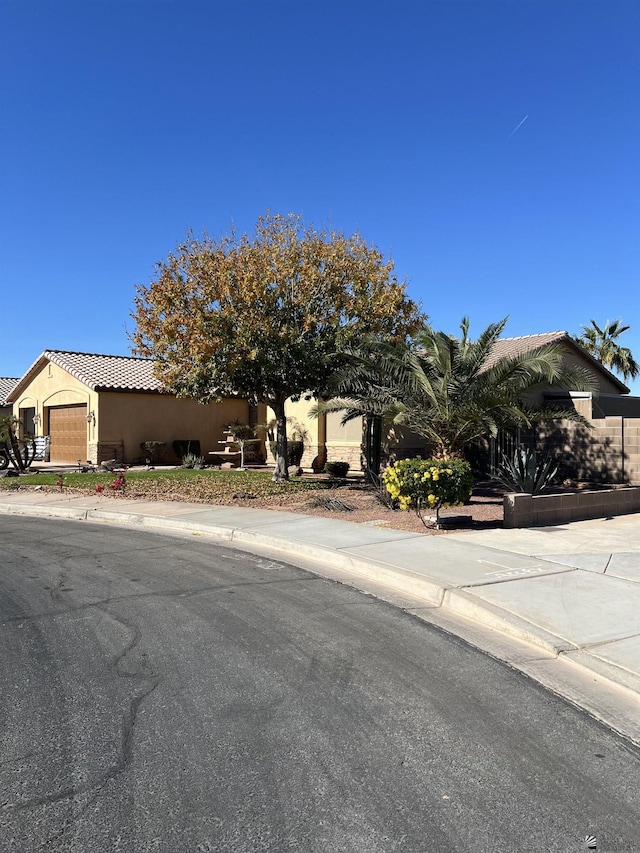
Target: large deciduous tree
266	316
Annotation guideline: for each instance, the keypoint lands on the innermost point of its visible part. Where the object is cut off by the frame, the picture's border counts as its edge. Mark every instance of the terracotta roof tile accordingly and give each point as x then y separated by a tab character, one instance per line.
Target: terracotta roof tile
6	385
509	347
107	372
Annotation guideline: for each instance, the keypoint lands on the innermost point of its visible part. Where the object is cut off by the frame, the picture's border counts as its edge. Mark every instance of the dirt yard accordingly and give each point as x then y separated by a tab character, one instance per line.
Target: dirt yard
362	506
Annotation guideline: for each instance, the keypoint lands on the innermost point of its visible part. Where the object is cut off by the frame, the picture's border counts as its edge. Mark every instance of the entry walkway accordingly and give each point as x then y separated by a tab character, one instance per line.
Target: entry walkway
561	604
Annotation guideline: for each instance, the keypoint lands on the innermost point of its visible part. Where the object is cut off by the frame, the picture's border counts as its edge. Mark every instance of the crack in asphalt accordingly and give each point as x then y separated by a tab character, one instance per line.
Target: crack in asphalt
93	788
177	593
124	755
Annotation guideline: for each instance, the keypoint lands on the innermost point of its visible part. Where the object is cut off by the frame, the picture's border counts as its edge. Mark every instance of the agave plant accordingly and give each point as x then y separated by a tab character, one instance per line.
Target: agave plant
526	472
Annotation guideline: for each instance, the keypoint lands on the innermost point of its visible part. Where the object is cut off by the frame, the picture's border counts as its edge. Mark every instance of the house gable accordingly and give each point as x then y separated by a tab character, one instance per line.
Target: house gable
608	383
96	372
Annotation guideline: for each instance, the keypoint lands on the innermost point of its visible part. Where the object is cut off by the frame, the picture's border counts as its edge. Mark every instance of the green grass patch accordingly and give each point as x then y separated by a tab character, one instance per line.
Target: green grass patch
187	484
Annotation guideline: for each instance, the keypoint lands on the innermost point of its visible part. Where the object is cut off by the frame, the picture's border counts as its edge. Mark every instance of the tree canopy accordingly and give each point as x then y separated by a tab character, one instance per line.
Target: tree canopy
602	343
266	316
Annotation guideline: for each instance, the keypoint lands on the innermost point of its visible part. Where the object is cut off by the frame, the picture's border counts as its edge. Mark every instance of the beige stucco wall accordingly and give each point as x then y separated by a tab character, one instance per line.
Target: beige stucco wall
605	385
298	413
344	441
130	418
329	440
124	420
51	387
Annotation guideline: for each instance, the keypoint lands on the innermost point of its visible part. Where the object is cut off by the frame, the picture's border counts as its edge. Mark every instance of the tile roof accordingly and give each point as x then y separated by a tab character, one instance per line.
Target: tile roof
509	347
6	385
107	372
98	372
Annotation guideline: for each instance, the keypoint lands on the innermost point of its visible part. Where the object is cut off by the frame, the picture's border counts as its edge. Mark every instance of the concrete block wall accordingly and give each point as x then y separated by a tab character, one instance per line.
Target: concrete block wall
607	453
522	510
632	450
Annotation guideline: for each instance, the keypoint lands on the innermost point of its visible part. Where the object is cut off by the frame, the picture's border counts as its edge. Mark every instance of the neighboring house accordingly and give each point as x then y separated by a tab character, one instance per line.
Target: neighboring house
6	385
574	354
101	407
609	451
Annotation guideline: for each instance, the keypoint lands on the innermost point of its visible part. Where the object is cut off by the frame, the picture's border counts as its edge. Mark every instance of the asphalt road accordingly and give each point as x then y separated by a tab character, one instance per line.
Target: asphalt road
166	694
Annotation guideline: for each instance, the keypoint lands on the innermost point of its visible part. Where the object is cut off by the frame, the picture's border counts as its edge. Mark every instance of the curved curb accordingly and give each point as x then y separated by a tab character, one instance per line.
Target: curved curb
455	609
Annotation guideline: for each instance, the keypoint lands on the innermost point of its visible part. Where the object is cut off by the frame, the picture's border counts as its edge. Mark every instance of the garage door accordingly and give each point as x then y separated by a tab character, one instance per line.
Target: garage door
68	431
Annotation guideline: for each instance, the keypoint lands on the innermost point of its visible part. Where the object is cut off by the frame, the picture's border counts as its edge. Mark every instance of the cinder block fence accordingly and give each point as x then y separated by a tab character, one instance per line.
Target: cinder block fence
522	510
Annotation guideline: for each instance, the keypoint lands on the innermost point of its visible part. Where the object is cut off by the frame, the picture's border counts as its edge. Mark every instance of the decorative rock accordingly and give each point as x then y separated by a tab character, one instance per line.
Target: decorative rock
9	472
450	521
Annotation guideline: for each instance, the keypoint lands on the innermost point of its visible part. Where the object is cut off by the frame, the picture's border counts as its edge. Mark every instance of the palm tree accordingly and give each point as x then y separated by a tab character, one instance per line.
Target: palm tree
445	388
366	386
603	345
460	395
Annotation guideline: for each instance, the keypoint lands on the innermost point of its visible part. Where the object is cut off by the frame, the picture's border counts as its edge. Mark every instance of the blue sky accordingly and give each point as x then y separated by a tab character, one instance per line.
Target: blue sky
124	124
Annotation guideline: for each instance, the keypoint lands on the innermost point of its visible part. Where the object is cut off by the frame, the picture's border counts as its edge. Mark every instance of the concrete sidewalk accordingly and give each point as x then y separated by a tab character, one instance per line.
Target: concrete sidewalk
561	604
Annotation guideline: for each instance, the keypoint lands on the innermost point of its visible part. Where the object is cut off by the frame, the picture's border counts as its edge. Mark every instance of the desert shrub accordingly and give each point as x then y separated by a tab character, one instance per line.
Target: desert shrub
428	484
337	469
192	460
527	472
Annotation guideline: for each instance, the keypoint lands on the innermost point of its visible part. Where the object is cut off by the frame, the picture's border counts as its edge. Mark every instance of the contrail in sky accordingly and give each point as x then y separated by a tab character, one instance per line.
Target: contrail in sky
518	126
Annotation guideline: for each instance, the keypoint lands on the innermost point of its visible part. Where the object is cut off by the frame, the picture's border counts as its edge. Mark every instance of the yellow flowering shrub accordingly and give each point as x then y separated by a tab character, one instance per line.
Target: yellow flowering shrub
428	484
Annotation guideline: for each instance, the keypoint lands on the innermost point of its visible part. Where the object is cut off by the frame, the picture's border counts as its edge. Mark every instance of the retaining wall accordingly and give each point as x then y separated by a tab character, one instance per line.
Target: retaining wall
522	510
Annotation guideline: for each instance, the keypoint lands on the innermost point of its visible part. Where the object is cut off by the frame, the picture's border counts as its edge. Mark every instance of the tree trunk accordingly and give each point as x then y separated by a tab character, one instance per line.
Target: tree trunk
372	447
281	470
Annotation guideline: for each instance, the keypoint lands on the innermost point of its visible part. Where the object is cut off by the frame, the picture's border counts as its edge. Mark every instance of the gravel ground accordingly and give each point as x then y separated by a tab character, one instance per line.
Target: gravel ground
351	502
362	506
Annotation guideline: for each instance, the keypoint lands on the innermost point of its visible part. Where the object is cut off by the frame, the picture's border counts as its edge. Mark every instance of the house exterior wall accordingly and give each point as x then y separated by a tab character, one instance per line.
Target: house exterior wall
328	440
605	385
344	442
53	387
314	432
124	420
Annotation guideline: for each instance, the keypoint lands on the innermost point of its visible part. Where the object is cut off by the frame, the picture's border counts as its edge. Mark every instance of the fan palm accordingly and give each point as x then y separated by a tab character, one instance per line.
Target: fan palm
603	345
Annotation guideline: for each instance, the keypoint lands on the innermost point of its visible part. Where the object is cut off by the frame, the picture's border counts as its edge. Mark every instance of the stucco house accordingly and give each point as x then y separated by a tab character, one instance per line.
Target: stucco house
100	407
609	451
